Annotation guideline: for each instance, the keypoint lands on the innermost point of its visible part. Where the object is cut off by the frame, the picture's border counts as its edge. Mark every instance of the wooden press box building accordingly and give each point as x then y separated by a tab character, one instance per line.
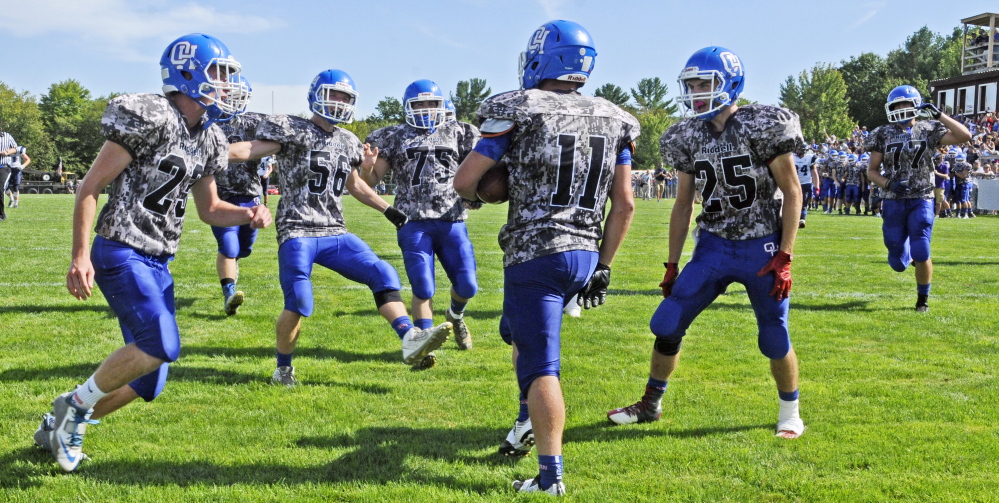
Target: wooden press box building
974	91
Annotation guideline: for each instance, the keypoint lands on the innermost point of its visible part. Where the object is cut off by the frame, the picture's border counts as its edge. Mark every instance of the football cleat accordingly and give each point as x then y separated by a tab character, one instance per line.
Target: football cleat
519	441
419	343
573	309
233	302
534	485
284	376
428	362
641	412
801	224
462	337
69	424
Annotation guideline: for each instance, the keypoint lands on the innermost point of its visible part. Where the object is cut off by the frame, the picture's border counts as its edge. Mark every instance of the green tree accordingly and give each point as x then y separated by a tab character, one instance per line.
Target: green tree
389	109
926	56
72	119
468	97
23	120
819	99
651	96
613	94
865	78
653	125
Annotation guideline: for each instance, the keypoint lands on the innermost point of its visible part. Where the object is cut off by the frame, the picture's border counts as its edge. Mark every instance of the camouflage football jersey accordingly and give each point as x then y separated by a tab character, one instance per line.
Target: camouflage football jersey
730	168
962	168
424	164
241	178
148	200
908	155
562	156
853	171
314	166
803	165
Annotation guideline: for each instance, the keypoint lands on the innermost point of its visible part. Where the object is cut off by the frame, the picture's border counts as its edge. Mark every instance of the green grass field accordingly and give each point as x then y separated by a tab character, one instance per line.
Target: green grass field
899	405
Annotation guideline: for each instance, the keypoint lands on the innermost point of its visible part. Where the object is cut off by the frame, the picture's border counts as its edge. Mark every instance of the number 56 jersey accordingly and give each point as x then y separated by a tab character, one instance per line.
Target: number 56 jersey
148	200
562	160
731	168
313	166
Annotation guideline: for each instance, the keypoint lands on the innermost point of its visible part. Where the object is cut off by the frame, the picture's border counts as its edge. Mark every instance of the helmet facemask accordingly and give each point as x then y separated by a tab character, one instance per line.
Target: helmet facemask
902	115
425	117
327	106
718	98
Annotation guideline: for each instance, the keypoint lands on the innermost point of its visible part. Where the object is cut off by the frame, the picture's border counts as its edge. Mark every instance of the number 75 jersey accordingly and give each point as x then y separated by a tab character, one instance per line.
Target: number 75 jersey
313	166
148	200
731	169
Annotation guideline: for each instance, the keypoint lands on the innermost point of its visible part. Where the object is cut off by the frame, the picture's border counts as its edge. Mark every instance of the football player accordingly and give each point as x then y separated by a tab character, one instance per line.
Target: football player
19	161
423	155
568	154
318	162
941	175
905	148
828	194
239	185
852	179
962	186
158	149
805	165
8	148
736	157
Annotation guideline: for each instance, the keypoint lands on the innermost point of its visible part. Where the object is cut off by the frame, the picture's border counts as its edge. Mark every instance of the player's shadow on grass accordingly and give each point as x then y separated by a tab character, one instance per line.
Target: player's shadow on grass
853	305
605	431
320	353
964	262
98	307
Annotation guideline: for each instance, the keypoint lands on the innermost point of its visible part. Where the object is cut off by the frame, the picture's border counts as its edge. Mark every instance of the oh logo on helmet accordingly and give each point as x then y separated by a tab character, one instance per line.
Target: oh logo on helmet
182	53
732	64
538	41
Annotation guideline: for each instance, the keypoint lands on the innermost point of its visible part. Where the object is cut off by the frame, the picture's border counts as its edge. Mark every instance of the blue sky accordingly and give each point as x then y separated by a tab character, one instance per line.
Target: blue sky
115	45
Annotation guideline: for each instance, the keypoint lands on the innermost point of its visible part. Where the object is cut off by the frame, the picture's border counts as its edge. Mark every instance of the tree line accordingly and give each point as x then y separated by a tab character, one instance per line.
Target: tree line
832	98
829	98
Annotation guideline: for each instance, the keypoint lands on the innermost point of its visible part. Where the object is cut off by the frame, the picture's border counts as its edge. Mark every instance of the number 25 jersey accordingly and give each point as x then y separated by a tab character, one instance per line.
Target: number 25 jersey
562	160
148	200
313	166
731	169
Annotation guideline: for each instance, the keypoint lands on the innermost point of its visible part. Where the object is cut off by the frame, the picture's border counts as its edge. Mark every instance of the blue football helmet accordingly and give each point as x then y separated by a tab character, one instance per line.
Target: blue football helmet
238	97
852	158
865	157
719	65
560	50
424	118
451	112
962	157
322	101
186	68
903	94
833	154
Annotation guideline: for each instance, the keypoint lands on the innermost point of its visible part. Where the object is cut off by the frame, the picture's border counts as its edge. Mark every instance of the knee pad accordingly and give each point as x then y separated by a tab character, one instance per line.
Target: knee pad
465	285
504	331
149	386
774	342
667	347
386	278
665	323
386	296
920	250
423	288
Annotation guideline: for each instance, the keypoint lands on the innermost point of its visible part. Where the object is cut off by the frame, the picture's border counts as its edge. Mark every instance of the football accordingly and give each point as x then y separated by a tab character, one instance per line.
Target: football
493	185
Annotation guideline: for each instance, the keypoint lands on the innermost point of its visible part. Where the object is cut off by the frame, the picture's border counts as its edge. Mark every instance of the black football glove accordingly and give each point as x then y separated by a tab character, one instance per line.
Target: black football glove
395	216
929	111
595	291
472	205
898	186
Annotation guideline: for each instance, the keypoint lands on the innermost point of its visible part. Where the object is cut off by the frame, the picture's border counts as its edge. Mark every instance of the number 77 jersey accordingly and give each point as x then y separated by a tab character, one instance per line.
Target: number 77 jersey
731	168
908	155
562	157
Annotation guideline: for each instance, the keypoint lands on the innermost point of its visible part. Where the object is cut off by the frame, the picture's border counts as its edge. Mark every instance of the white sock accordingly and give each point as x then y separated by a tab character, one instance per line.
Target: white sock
87	394
455	315
788	410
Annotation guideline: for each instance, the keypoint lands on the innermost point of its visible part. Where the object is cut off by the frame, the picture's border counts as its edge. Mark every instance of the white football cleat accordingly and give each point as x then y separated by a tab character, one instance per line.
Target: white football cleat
789	423
284	376
419	343
69	425
572	308
233	302
533	486
520	440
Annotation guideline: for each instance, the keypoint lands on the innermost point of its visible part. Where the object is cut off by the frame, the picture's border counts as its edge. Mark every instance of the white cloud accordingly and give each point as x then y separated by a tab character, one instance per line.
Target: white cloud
117	26
552	8
867	17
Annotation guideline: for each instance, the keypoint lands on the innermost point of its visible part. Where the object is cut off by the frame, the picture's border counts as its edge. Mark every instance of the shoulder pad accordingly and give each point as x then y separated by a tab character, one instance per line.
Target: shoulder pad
496	126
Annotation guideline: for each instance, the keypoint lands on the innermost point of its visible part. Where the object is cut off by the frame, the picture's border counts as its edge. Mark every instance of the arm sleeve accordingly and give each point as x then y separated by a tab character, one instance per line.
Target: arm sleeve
494	147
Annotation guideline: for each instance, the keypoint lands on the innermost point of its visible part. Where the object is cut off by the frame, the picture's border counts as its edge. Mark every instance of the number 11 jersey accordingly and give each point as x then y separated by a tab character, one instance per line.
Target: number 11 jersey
731	168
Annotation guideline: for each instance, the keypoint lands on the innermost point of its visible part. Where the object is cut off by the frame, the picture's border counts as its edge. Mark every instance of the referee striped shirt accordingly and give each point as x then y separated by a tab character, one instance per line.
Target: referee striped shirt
6	142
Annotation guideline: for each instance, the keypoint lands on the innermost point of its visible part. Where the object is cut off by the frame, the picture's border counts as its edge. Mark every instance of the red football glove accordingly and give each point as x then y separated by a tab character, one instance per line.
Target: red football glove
780	265
669	279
